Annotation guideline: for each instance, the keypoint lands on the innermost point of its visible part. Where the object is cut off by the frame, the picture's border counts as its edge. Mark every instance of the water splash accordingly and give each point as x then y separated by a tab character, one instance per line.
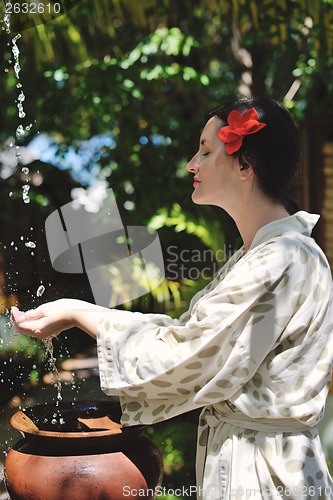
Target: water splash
16	54
55	377
20	100
20	130
6	20
49	354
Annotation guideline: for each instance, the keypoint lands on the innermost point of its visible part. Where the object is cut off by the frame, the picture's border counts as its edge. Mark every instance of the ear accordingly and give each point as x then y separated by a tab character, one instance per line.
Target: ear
245	167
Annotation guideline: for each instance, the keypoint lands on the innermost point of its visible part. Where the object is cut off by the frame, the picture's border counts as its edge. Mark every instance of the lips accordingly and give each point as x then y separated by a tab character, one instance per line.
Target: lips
196	182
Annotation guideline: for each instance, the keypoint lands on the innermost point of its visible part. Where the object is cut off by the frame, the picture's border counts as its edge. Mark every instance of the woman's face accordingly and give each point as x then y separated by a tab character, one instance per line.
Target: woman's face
216	174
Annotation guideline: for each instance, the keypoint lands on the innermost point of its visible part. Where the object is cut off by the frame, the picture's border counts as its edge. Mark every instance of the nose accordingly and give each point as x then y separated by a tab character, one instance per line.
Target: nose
193	164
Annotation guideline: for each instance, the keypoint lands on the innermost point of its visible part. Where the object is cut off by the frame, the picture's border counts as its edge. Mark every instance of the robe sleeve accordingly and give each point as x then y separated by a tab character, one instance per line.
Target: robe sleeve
161	367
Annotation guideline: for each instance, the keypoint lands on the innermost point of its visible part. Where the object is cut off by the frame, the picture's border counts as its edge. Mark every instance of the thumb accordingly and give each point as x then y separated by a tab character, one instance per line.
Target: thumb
17	315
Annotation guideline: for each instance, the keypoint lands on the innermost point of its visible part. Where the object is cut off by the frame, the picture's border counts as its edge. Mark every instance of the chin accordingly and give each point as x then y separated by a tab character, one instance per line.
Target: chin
199	200
196	199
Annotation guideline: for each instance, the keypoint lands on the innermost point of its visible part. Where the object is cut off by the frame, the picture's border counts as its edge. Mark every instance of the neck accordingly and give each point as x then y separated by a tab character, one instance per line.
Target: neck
254	215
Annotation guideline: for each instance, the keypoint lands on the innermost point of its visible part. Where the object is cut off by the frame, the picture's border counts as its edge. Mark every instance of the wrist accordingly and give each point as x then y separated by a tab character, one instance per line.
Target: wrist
80	314
70	312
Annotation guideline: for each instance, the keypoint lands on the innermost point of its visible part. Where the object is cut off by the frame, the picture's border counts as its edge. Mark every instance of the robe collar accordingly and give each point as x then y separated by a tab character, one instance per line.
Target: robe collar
300	222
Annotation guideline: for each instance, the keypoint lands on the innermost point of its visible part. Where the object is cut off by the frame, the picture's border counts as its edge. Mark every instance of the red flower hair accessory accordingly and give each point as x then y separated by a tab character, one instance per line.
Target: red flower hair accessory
239	126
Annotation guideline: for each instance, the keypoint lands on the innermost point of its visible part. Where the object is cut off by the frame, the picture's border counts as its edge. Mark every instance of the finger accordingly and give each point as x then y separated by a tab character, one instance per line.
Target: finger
31	315
31	328
34	314
16	315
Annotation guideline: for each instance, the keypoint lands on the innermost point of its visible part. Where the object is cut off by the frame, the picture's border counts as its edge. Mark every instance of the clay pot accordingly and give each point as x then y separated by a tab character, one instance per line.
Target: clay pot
80	451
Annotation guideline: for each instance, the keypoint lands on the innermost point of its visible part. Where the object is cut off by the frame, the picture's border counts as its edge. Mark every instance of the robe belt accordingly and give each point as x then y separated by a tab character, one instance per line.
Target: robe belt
214	418
211	417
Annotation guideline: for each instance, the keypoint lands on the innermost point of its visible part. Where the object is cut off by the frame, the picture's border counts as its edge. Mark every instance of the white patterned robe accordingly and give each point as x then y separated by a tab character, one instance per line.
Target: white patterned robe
255	351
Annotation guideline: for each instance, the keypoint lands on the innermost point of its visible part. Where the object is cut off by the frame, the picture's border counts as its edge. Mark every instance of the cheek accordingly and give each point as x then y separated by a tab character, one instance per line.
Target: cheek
225	164
222	158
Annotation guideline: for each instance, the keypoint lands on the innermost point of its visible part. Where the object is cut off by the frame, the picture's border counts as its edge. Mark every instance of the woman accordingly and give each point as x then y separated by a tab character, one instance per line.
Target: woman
255	348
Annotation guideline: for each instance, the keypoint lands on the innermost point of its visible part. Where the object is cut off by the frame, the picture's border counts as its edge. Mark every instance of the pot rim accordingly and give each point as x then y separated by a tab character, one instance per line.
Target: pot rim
19	422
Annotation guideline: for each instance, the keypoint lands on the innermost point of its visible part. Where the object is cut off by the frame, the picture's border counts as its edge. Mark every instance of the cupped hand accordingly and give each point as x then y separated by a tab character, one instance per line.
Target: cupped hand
47	320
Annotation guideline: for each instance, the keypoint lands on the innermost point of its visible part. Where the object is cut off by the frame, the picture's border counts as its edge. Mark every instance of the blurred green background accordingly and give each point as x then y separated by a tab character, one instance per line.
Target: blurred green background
113	94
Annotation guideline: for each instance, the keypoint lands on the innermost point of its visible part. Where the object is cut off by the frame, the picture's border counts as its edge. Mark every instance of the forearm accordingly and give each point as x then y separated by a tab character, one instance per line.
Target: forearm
87	321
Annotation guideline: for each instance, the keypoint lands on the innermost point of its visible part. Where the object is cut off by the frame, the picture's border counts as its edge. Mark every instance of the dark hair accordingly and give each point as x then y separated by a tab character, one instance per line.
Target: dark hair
274	151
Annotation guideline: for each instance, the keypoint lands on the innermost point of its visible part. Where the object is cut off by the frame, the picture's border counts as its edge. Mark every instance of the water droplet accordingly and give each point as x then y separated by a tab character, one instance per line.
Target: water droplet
25	193
21	112
30	244
21	97
6	20
19	131
40	291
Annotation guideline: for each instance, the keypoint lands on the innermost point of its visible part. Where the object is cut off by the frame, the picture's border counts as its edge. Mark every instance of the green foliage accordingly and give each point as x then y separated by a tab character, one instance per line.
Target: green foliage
146	73
176	438
173	296
210	232
22	362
